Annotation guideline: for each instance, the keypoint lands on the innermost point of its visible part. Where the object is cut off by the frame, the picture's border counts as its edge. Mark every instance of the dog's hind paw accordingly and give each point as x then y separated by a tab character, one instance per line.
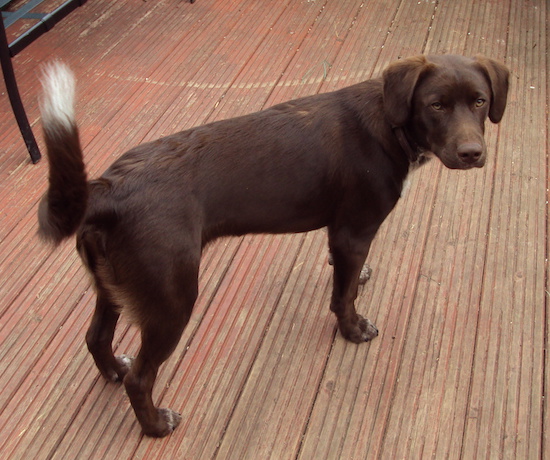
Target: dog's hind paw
365	274
125	360
114	371
124	363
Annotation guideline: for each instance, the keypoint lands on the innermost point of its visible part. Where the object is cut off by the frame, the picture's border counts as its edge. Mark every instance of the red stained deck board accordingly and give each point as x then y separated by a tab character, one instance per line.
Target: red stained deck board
459	287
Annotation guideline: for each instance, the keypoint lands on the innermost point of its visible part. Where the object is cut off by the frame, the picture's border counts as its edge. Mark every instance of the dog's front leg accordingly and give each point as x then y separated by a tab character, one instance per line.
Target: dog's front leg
348	255
364	276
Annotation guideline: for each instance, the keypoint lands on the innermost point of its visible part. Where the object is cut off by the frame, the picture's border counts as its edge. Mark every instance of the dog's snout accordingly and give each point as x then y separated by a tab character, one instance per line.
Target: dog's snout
470	153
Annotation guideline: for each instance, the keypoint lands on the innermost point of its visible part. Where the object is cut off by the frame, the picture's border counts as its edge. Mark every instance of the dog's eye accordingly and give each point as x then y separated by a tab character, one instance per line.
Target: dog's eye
437	106
480	102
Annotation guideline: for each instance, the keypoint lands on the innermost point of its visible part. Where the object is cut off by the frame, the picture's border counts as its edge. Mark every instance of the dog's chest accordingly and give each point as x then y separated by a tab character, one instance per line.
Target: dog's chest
406	185
422	159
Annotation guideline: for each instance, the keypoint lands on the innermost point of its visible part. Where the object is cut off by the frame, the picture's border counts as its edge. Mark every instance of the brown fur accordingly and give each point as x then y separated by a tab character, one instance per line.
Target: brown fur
335	160
64	205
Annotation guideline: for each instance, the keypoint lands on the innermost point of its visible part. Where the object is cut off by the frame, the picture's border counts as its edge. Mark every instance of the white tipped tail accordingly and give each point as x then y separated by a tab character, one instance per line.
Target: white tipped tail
57	105
64	205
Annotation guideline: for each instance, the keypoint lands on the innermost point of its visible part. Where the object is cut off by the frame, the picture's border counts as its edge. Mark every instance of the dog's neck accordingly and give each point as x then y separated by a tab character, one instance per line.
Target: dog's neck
410	148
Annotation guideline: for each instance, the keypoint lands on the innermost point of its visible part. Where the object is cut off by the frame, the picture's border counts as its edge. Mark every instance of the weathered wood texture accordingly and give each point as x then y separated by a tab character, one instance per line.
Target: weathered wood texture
459	289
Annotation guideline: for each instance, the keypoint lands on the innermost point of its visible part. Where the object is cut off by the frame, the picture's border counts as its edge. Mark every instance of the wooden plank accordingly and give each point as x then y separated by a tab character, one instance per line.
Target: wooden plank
506	386
459	287
301	321
251	89
546	371
313	60
220	67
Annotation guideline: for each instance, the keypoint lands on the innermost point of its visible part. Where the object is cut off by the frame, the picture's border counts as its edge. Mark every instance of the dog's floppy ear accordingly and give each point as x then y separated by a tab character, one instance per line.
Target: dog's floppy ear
498	76
400	79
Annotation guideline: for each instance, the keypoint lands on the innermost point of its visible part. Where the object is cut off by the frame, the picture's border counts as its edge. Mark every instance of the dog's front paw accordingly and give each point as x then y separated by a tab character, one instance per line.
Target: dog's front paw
168	420
369	330
361	331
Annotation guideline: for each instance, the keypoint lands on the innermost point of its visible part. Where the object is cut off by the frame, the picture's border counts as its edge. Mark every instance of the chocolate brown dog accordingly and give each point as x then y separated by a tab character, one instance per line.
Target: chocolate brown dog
335	160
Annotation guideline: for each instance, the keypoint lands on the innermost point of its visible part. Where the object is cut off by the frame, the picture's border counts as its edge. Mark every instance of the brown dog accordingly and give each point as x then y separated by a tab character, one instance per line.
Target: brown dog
335	160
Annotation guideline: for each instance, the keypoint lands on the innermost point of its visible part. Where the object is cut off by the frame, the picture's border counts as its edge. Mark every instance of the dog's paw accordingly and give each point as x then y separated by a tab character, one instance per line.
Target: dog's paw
369	330
172	418
168	421
124	365
365	274
115	371
362	331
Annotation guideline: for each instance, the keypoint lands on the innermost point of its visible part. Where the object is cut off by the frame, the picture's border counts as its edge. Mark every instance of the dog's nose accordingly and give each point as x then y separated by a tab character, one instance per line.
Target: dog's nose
470	153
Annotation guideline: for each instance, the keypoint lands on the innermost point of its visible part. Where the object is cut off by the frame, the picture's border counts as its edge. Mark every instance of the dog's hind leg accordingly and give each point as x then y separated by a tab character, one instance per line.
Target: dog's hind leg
160	333
99	339
348	254
159	339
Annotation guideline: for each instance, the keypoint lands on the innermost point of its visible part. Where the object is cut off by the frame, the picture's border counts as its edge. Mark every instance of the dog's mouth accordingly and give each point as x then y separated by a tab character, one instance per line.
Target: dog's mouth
456	163
466	156
478	164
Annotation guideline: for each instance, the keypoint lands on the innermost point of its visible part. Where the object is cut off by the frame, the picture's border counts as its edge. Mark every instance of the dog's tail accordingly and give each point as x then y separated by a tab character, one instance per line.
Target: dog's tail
64	204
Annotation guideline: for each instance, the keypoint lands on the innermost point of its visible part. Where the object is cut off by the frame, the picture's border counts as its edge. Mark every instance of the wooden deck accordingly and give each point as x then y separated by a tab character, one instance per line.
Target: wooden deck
459	290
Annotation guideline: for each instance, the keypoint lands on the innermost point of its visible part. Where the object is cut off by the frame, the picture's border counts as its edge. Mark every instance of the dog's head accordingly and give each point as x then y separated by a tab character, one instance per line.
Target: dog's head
442	103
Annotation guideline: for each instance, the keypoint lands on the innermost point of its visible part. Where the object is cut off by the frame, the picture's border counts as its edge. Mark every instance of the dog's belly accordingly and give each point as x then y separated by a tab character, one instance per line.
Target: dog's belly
268	192
266	211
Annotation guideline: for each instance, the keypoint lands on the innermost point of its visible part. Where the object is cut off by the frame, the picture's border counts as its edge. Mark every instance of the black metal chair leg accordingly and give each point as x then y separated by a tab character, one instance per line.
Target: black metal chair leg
15	98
